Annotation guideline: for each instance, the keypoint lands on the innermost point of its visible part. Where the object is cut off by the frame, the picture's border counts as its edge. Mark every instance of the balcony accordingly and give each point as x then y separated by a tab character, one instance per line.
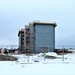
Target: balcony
27	32
27	35
27	39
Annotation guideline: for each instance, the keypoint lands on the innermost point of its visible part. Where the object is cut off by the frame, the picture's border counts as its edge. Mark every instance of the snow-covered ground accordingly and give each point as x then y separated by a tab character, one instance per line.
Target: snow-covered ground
38	65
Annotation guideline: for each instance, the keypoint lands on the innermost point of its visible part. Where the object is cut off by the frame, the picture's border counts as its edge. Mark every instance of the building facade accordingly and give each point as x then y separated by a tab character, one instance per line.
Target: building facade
40	37
21	35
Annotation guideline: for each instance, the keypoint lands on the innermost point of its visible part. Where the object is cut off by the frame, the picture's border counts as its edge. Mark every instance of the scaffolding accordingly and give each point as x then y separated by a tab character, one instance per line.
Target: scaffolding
27	41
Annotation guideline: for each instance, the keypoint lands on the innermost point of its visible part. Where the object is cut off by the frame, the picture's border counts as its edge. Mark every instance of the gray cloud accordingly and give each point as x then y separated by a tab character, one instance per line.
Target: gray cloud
14	14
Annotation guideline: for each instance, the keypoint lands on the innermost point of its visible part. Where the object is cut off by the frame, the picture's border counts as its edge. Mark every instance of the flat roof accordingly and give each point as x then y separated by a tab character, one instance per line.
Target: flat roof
44	23
20	31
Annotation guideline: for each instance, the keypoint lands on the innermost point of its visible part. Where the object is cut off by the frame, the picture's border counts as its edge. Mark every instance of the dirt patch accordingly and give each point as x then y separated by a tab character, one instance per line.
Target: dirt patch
50	57
7	58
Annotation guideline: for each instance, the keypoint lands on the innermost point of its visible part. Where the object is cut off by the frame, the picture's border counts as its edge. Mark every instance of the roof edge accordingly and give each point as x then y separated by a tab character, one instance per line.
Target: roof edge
44	22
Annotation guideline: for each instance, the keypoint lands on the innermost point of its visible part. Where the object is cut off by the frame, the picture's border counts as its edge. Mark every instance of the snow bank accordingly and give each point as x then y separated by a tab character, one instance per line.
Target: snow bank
40	54
51	54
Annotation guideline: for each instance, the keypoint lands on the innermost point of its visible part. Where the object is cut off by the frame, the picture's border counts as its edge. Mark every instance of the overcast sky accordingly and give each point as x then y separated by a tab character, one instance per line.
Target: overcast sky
14	14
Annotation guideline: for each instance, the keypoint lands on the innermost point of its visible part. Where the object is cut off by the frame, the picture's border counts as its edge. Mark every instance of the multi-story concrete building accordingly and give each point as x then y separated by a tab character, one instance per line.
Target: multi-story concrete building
21	35
40	36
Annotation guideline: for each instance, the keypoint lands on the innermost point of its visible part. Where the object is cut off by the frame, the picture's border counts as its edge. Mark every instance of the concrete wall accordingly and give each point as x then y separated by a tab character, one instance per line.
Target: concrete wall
31	38
44	38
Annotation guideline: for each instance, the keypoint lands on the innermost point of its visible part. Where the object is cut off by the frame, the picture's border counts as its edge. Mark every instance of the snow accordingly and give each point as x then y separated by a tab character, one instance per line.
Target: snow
51	54
25	65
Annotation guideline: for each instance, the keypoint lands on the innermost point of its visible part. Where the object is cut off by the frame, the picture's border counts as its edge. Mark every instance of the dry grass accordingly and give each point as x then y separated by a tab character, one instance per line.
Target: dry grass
7	58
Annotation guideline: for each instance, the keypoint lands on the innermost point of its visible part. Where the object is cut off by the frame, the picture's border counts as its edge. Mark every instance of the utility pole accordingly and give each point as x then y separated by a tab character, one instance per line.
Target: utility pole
63	54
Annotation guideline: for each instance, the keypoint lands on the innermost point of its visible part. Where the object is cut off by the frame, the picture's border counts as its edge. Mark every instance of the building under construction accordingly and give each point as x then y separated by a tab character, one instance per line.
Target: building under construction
37	36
